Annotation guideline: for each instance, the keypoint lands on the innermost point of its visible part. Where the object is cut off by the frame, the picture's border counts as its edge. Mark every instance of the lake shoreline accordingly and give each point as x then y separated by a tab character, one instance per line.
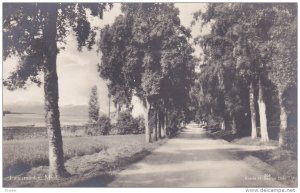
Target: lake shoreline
29	132
38	120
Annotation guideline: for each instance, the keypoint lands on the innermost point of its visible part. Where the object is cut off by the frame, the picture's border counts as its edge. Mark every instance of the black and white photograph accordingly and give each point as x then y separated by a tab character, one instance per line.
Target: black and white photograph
150	95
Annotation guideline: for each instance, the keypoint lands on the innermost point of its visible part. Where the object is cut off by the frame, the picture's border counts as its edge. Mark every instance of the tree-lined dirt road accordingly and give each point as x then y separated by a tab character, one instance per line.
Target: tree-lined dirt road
193	160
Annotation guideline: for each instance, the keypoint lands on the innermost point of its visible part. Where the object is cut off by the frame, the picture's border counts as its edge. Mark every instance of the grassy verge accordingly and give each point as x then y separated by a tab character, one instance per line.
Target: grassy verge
21	155
87	158
226	135
280	163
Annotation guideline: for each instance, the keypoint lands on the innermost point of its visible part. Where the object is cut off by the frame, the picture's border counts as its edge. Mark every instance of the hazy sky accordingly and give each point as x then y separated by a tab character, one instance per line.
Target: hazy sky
77	71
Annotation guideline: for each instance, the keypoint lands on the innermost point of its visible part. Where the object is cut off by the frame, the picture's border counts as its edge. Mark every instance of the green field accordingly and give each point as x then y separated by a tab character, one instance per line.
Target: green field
85	157
21	155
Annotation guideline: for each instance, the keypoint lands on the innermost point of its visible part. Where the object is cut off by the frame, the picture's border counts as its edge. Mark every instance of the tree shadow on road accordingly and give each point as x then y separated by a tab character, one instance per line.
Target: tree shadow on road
103	178
219	168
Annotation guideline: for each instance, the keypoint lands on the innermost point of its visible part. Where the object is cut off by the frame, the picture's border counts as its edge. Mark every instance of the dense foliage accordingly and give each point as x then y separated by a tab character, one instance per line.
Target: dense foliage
103	126
248	68
126	124
146	52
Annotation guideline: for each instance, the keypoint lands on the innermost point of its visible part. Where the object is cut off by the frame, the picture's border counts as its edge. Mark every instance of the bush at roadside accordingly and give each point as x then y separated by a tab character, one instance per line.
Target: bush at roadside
127	124
102	127
291	139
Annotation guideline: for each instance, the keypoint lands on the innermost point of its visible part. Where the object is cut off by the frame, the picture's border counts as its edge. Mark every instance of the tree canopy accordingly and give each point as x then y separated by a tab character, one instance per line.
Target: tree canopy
24	34
249	47
146	52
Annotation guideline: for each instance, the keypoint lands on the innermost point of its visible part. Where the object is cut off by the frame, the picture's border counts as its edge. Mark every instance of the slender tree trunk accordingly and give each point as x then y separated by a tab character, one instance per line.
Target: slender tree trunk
164	130
233	129
252	112
226	122
166	122
109	106
162	124
118	110
283	122
262	114
147	116
223	127
156	126
159	121
56	157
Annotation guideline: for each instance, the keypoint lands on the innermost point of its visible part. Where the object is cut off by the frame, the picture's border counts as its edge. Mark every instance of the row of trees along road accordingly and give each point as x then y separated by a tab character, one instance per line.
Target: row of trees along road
249	55
249	67
146	52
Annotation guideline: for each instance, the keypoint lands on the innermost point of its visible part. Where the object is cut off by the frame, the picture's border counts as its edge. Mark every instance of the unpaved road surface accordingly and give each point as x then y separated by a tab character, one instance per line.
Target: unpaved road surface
193	160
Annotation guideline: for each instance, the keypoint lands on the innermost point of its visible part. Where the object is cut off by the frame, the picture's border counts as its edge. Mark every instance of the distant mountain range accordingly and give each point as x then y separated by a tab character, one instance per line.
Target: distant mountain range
38	108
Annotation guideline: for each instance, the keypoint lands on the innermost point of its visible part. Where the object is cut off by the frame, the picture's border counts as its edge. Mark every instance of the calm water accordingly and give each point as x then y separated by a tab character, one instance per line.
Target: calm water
38	120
